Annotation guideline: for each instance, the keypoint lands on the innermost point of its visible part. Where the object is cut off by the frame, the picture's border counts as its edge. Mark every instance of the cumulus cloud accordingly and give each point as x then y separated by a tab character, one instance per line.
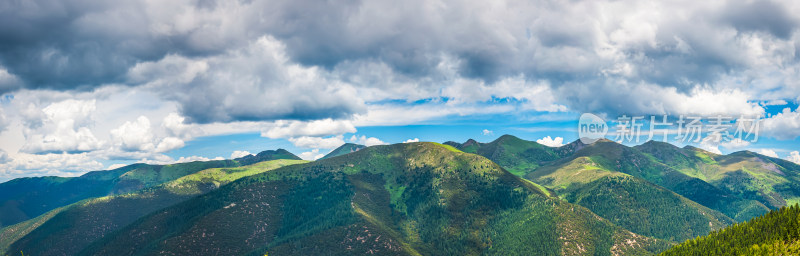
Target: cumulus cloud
4	157
169	143
60	127
768	152
794	156
711	143
8	82
411	140
163	160
487	132
735	144
550	142
176	126
399	114
318	142
366	141
775	103
784	125
116	166
325	127
139	136
257	82
134	136
305	71
311	155
52	164
652	99
512	50
141	139
239	153
3	120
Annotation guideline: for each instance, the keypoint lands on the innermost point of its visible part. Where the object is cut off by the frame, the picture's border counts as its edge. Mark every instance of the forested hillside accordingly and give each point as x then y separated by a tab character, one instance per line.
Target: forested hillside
25	198
509	197
775	233
403	199
68	229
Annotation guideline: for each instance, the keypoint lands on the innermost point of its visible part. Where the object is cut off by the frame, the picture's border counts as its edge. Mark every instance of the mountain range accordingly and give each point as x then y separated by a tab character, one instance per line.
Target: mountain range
506	197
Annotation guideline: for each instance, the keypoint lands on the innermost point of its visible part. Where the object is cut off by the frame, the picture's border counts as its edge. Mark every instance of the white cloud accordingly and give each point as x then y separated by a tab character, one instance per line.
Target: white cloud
3	120
794	156
487	132
550	142
115	166
60	127
318	142
134	136
652	99
366	141
234	69
8	81
169	143
768	152
167	160
775	103
196	158
175	126
394	114
735	143
239	153
140	137
4	157
711	143
317	128
536	96
255	82
411	140
63	164
311	155
784	125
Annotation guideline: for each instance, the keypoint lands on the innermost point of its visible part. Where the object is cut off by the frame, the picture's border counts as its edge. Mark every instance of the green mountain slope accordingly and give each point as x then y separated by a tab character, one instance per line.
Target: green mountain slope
775	233
402	199
25	198
518	156
632	161
346	148
764	182
628	201
624	185
67	230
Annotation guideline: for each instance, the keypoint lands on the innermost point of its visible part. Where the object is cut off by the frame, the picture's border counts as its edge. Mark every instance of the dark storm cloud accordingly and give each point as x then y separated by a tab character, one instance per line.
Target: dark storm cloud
763	15
82	44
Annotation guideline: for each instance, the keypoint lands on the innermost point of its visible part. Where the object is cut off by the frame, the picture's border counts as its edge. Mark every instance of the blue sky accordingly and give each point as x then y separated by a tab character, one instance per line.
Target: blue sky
91	84
458	129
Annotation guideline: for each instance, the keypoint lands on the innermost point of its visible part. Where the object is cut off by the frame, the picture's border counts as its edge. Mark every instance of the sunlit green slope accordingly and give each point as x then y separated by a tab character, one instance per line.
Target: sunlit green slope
402	199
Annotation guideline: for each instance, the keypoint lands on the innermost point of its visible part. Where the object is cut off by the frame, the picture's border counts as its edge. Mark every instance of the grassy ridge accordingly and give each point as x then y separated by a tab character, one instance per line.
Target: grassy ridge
403	199
25	198
69	229
631	202
625	185
346	148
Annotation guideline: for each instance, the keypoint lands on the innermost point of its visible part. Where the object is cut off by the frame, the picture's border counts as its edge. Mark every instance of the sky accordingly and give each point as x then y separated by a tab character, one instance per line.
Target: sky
91	85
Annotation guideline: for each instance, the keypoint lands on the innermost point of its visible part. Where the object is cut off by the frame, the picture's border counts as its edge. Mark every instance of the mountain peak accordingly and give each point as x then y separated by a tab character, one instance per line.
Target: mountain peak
267	155
507	137
344	149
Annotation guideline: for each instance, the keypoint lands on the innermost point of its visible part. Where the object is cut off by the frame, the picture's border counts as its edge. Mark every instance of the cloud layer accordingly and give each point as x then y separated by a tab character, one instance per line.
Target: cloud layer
90	79
225	61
